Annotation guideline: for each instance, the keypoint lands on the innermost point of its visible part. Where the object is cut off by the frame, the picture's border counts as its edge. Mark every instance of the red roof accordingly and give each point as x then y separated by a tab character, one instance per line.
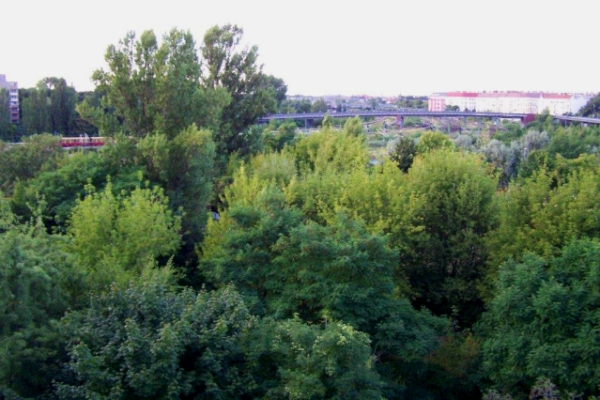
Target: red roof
462	94
555	96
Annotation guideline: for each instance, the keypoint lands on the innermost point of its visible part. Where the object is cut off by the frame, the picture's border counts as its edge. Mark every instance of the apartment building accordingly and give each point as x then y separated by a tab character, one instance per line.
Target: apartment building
510	102
556	104
437	102
462	100
13	94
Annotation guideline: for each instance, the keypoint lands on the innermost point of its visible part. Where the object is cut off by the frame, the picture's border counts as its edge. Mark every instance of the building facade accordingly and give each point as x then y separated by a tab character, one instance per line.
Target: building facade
462	100
509	102
437	102
13	95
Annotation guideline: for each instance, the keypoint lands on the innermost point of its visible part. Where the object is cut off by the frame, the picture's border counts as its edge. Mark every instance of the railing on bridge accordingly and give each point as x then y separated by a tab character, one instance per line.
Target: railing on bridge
401	113
525	118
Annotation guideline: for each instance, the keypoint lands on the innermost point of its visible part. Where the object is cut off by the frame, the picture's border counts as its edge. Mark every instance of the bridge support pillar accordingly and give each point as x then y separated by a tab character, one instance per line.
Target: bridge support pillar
400	121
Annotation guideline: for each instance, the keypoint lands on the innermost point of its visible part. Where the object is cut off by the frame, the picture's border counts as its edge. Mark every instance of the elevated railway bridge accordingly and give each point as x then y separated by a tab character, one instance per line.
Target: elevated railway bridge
400	115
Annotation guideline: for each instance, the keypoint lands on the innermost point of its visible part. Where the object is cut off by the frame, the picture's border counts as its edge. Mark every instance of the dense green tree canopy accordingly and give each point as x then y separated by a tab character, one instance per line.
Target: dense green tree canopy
200	255
540	218
36	286
155	87
456	208
147	341
49	107
294	360
21	163
543	322
253	94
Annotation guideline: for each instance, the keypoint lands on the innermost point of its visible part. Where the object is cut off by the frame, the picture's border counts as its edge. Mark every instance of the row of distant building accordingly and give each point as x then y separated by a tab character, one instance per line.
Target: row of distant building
13	97
501	102
510	102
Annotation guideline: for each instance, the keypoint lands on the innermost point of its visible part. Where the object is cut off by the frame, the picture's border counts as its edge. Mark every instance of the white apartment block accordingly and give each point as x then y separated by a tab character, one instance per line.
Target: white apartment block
510	102
462	100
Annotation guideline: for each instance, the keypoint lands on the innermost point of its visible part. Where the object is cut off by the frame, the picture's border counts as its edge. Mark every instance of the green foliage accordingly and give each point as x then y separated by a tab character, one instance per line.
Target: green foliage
236	71
568	143
62	105
294	360
401	345
591	107
540	218
154	87
329	150
542	390
34	108
238	248
295	106
338	272
49	107
505	159
64	183
353	126
285	134
404	153
543	322
36	283
274	167
455	365
327	122
146	341
23	162
319	106
115	238
279	87
456	208
431	141
184	167
512	133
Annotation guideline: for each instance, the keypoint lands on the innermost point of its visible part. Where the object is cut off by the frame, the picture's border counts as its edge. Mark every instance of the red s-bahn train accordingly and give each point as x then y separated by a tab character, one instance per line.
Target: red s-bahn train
82	141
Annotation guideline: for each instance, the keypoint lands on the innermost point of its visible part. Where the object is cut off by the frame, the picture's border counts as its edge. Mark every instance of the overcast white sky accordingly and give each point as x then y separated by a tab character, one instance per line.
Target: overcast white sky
320	47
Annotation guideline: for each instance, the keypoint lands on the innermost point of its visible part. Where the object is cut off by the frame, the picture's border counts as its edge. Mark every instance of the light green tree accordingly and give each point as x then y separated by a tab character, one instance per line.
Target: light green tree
326	150
115	238
540	218
354	126
431	141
